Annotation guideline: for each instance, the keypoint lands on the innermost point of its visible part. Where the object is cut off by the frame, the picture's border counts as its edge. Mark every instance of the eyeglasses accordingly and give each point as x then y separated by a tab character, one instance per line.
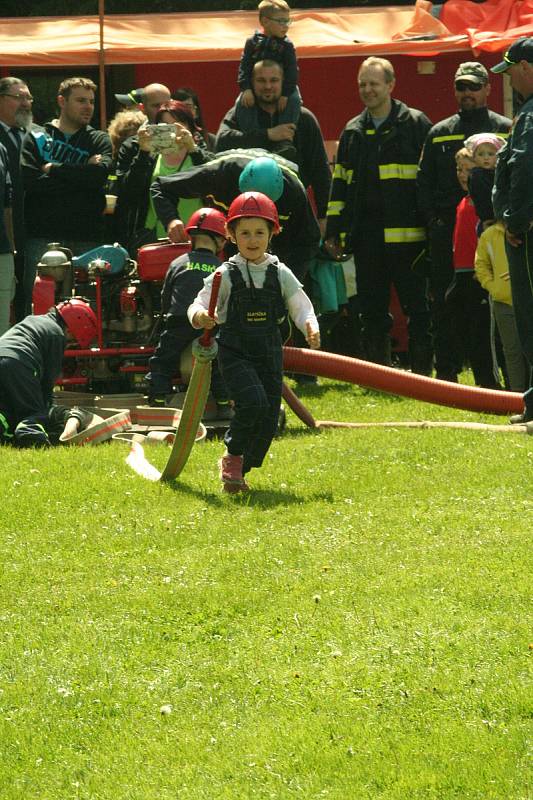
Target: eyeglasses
468	86
19	97
286	23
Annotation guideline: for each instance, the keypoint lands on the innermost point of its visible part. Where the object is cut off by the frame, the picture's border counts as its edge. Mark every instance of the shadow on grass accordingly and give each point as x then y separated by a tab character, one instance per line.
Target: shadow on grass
308	391
271	498
257	498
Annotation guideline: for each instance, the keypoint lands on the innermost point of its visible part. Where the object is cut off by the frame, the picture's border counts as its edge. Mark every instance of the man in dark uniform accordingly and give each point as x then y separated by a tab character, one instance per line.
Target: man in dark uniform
372	212
31	360
439	193
217	182
513	203
15	121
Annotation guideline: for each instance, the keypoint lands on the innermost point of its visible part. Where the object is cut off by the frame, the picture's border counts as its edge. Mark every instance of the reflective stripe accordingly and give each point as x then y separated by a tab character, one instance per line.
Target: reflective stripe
455	137
370	132
343	174
405	172
404	235
335	207
5	426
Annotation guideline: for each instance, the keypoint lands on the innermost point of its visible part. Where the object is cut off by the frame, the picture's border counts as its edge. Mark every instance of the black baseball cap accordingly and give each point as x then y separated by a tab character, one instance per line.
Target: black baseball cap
133	98
521	50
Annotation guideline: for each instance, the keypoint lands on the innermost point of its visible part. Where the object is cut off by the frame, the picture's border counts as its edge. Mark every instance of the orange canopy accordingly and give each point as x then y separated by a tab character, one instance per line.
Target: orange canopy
219	36
214	36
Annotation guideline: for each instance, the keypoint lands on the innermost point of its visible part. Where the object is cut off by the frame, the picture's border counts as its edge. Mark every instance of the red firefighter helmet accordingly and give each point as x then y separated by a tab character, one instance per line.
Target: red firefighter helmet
207	220
80	319
254	204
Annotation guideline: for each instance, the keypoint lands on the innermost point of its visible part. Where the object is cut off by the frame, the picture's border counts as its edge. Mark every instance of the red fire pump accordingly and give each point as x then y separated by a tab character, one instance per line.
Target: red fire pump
126	298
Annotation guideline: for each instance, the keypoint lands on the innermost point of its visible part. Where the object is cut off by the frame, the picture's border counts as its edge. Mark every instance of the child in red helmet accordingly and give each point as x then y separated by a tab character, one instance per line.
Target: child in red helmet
256	291
183	281
31	360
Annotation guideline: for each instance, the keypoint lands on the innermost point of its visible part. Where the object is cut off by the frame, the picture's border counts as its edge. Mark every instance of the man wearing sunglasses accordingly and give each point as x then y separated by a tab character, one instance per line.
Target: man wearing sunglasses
439	193
15	121
513	202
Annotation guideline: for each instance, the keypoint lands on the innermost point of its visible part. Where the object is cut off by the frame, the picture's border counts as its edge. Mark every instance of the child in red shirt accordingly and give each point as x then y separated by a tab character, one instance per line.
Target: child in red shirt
467	303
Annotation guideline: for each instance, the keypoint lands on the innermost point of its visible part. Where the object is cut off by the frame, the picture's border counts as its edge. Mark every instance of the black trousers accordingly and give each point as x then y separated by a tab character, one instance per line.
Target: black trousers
254	385
165	362
448	362
468	314
23	407
521	274
378	266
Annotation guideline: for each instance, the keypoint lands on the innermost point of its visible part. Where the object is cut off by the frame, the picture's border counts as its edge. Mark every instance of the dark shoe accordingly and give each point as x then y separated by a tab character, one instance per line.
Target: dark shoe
305	379
521	419
224	411
421	358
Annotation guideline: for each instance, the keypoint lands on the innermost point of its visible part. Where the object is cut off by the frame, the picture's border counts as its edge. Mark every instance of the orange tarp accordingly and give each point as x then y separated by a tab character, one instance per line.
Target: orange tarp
215	36
219	36
491	26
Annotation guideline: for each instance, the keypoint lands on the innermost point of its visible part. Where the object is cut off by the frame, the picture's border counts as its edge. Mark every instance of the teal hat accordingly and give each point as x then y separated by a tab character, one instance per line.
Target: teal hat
263	175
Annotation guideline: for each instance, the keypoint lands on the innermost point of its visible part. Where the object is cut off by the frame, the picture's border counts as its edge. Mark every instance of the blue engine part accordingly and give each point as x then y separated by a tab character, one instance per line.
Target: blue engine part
115	255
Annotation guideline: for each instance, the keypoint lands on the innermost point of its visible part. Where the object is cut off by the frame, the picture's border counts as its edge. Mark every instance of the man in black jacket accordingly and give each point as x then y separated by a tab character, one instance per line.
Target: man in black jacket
217	182
439	193
513	203
373	214
31	360
65	168
15	121
301	142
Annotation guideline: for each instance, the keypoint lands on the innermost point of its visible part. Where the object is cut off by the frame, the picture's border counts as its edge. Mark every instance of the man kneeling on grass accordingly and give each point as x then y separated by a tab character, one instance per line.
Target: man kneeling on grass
31	360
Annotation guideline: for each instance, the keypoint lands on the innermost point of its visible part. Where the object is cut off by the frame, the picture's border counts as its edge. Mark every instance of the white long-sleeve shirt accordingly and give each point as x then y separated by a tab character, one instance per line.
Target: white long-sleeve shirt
297	302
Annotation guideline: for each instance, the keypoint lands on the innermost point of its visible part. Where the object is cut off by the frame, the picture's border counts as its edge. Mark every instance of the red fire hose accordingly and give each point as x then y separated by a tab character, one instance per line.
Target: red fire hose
395	381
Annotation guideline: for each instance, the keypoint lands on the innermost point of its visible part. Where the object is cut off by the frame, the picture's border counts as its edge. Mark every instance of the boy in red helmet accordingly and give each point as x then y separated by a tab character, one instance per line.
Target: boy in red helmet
184	279
256	291
31	360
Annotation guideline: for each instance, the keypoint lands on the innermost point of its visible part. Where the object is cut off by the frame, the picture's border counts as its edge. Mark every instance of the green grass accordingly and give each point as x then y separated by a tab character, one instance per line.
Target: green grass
358	627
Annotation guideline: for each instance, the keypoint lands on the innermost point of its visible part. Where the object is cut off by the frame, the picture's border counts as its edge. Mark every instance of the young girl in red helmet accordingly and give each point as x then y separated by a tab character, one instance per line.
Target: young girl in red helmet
256	291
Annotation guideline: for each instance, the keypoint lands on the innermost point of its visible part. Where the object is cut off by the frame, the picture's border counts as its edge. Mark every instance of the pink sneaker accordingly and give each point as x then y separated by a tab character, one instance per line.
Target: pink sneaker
231	474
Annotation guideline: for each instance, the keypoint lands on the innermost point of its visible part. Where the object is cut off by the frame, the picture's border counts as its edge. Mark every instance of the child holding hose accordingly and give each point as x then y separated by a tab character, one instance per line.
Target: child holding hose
256	291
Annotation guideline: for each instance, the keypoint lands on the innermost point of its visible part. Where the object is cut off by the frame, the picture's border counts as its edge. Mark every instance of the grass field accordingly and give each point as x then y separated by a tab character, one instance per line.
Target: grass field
357	627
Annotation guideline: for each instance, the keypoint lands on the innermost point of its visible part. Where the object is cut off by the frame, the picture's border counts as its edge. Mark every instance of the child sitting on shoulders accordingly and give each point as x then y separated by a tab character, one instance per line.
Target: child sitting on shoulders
256	291
271	44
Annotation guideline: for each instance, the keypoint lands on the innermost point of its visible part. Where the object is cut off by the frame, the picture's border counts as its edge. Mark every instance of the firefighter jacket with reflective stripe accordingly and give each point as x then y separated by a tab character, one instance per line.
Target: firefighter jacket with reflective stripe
438	189
374	181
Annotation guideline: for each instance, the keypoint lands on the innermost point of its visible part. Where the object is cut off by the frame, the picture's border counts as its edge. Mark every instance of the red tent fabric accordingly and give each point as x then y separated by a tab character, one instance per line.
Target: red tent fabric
490	26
